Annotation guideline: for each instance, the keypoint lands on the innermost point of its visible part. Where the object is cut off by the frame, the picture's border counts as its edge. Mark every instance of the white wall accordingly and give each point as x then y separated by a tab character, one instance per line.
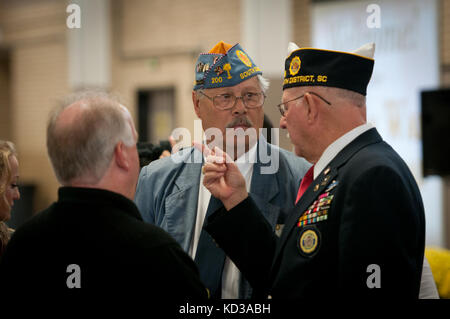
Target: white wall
266	32
89	48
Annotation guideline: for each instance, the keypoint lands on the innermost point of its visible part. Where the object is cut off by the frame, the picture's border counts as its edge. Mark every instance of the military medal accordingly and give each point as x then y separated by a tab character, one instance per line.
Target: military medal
309	241
325	180
332	185
317	212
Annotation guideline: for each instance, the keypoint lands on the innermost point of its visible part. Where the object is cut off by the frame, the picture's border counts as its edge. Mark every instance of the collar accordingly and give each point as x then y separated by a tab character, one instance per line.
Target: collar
84	195
334	148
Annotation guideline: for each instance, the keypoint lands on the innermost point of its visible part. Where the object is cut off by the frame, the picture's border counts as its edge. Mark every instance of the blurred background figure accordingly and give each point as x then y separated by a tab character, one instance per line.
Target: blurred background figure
148	152
9	191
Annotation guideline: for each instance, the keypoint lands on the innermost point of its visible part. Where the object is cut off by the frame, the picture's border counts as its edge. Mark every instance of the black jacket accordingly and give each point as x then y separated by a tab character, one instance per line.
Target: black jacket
373	235
103	234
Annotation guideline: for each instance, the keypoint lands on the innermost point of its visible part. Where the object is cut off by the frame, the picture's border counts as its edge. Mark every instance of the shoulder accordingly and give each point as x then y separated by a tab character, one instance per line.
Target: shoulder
145	236
33	231
376	161
380	174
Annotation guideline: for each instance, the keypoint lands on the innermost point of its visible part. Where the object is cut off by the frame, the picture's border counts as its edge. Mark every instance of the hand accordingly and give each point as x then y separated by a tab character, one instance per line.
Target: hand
222	177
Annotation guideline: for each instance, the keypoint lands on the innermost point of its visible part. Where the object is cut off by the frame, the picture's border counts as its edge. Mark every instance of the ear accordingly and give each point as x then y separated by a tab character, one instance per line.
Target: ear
121	156
196	103
312	108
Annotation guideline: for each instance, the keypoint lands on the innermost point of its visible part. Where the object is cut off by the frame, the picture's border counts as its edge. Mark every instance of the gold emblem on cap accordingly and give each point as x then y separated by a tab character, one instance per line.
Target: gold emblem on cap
316	188
294	67
227	67
309	241
244	58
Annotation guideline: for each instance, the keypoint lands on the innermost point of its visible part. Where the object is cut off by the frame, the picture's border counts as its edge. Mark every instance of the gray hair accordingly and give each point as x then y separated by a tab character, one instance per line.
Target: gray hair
83	149
350	96
263	83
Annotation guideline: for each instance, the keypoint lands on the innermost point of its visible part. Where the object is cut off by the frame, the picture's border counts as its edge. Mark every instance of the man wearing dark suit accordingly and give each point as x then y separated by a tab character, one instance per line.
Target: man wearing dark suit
228	97
358	227
93	238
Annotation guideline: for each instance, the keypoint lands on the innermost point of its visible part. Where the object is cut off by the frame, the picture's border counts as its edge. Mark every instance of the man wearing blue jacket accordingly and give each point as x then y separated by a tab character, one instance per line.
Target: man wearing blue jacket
228	97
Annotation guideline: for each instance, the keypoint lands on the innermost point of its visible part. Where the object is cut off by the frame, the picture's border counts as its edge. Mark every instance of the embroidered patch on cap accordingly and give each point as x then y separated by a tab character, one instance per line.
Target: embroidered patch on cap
224	66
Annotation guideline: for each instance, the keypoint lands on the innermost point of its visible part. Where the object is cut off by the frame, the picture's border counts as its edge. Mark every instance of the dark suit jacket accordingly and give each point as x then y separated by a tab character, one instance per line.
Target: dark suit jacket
375	219
101	232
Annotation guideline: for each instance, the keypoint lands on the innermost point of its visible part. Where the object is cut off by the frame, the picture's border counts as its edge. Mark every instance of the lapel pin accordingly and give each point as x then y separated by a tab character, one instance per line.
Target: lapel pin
325	180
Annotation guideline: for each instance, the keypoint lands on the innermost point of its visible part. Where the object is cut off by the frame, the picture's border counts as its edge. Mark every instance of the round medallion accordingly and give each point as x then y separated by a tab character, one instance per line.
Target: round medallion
309	241
294	67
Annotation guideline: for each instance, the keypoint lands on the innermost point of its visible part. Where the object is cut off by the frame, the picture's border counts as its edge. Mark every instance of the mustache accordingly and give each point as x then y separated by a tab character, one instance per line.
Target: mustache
240	121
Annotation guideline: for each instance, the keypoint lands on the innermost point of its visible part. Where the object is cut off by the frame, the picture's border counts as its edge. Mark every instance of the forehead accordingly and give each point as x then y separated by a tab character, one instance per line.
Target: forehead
250	84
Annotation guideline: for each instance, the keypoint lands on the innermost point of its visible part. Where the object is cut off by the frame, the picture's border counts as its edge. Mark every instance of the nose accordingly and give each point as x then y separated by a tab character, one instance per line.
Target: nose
239	107
283	122
16	194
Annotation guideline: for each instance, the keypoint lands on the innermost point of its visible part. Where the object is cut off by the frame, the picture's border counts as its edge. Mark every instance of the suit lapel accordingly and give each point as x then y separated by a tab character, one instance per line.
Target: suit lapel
181	204
264	187
322	181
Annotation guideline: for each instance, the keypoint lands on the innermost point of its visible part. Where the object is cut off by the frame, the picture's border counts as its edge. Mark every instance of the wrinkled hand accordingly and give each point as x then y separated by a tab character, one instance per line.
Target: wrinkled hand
222	177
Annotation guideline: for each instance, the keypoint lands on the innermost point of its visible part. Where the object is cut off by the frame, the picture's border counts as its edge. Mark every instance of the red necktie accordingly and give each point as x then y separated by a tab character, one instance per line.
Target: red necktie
306	181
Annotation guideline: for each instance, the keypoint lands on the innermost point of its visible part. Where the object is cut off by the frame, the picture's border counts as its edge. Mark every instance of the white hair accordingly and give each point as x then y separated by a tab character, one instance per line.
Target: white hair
263	83
351	96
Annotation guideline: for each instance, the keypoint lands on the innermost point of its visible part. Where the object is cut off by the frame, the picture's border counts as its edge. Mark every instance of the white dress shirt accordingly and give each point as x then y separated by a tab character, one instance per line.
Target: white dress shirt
334	148
231	274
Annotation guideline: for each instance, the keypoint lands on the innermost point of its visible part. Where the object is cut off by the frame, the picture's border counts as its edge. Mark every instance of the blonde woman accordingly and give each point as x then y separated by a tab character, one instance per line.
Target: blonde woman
9	191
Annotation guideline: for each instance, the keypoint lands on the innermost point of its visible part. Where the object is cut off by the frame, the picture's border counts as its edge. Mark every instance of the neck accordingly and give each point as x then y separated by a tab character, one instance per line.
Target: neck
110	182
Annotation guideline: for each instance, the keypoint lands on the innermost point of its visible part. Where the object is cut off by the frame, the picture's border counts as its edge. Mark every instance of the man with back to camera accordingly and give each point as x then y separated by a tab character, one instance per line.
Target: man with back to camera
228	97
93	237
358	228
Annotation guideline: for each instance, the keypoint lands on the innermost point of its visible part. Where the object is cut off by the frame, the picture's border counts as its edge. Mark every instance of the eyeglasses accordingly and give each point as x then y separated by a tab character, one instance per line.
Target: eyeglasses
283	106
227	101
